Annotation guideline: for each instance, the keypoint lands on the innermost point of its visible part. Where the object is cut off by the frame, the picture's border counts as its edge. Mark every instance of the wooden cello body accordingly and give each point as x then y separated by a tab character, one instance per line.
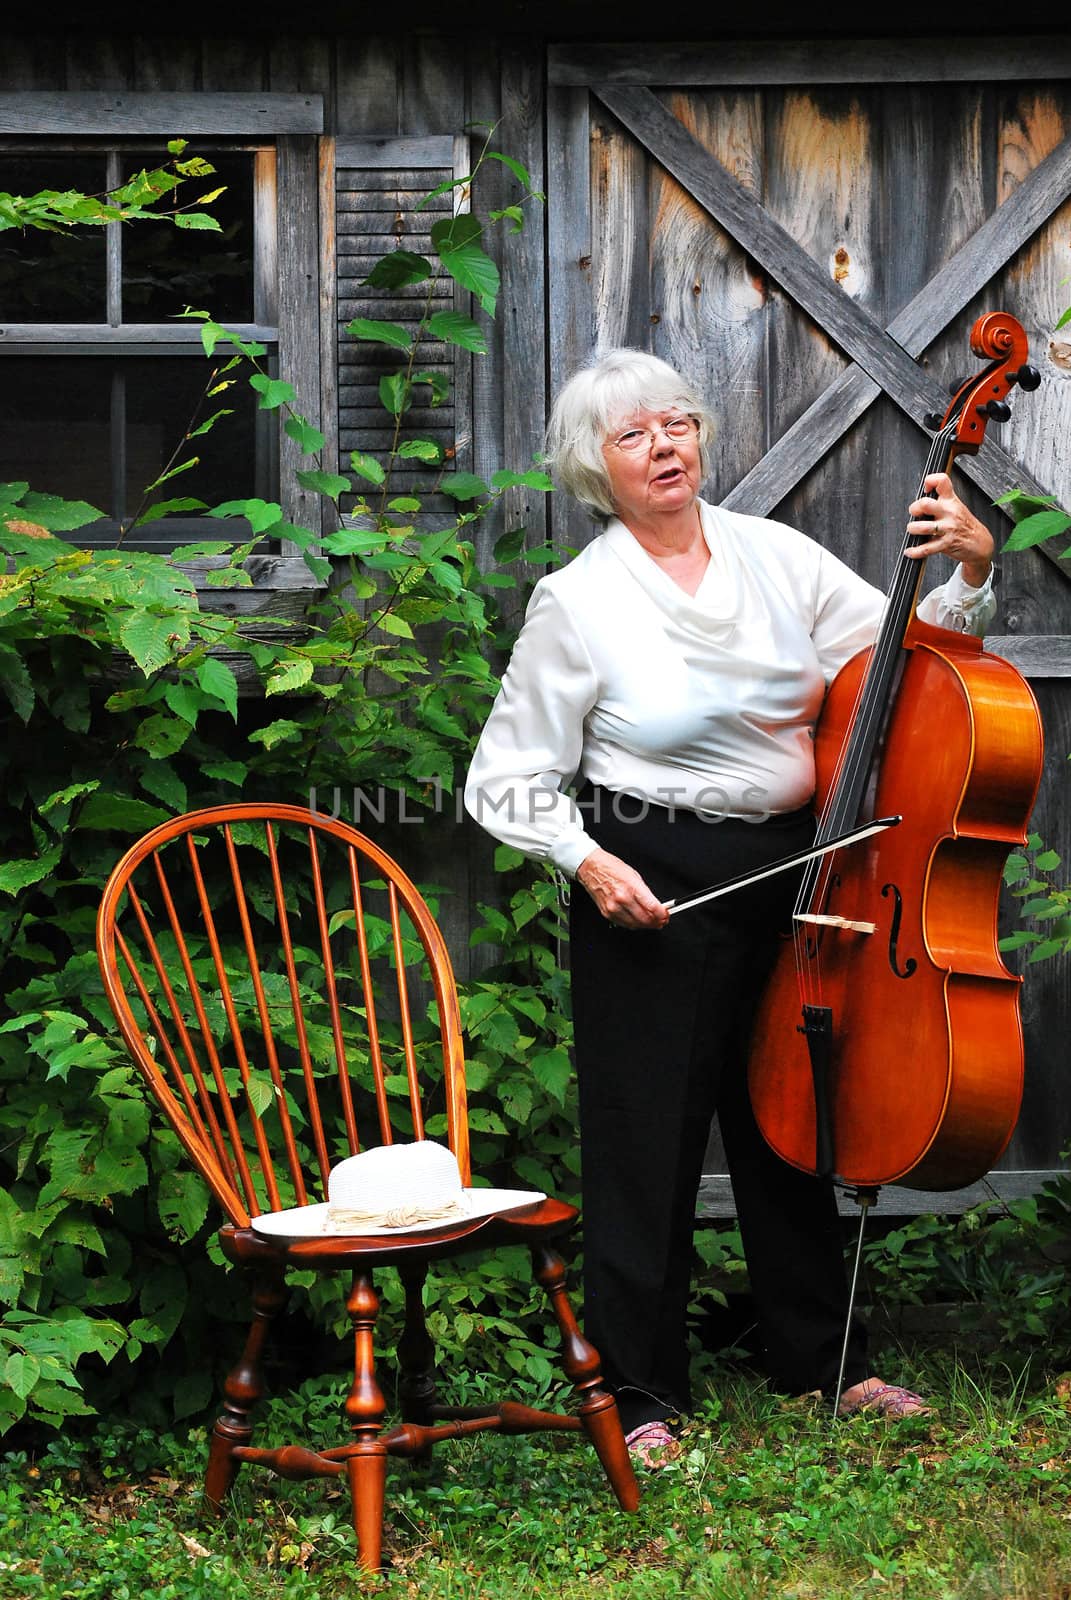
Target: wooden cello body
888	1047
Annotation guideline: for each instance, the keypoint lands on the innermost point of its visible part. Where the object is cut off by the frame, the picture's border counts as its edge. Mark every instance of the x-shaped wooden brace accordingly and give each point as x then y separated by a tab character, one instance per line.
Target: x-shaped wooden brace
881	358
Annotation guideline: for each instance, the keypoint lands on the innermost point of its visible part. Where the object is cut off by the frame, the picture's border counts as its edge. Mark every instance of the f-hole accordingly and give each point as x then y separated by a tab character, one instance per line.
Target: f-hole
894	932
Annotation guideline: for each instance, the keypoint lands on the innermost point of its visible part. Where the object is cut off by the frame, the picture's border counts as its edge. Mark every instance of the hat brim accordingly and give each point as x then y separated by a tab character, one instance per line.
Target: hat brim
316	1222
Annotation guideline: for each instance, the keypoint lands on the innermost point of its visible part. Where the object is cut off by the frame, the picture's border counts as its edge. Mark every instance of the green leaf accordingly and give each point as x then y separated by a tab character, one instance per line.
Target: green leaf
164	508
103	812
17	684
274	392
1036	529
455	239
162	735
515	215
397	270
182	1200
455	328
331	484
199	220
262	515
290	675
382	332
149	639
219	681
390	622
63	797
520	172
307	438
420	450
16	875
394	393
21	1372
367	466
282	731
439	382
463	486
522	480
56	514
552	1069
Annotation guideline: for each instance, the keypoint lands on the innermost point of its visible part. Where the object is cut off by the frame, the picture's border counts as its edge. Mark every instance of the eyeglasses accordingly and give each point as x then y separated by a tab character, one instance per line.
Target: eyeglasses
675	429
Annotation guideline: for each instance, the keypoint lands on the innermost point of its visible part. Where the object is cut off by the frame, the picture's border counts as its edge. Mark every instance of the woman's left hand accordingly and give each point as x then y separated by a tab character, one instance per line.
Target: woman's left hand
954	531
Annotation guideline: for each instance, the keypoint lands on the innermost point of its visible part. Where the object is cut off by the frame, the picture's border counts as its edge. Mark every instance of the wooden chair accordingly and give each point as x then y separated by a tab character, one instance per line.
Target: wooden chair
244	951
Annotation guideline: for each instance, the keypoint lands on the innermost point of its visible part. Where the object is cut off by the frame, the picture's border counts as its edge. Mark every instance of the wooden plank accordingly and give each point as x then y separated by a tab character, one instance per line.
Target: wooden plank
1038	655
520	326
571	330
328	322
97	62
915	327
395	152
724	62
846	323
1032	136
821	185
716	1196
432	83
368	83
163	64
150	334
705	309
138	112
299	315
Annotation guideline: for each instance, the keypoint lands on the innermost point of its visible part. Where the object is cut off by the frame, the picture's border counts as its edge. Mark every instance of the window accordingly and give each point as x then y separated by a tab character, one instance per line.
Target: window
101	375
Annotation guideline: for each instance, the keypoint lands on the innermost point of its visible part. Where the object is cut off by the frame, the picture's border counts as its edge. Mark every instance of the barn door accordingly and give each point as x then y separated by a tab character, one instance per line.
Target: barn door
810	237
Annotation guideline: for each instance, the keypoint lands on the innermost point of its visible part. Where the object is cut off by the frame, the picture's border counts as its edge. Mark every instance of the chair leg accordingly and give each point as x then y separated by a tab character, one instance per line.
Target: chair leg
243	1387
366	1408
417	1391
598	1409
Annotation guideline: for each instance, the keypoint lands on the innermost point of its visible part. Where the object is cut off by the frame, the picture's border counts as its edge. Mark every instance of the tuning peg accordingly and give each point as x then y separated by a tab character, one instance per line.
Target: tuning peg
1027	377
995	410
932	420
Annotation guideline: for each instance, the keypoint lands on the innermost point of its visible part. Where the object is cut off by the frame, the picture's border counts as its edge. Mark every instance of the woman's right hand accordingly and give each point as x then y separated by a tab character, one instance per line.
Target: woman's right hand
619	892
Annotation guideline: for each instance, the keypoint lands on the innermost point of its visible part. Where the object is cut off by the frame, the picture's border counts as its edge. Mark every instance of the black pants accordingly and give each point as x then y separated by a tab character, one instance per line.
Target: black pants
662	1022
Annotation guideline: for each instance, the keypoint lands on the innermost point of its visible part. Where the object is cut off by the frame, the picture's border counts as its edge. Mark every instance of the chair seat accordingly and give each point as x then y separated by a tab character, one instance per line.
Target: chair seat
546	1219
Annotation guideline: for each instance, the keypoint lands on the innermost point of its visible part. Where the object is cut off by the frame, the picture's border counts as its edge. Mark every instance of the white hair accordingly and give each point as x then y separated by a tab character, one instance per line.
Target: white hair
600	397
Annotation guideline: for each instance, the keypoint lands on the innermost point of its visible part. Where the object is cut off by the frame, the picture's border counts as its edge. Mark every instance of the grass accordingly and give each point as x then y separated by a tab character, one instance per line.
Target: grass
771	1498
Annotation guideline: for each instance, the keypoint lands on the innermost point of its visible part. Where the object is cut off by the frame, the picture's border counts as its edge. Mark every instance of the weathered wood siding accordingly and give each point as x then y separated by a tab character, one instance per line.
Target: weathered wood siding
820	280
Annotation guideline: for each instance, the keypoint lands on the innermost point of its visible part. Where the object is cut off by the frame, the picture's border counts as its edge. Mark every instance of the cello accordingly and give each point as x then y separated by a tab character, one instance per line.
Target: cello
888	1045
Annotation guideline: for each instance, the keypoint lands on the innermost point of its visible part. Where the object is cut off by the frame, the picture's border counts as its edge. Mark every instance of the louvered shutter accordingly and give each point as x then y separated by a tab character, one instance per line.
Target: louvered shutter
379	183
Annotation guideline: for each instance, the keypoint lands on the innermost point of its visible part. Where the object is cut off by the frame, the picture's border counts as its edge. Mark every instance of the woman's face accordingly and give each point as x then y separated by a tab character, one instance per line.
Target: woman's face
661	474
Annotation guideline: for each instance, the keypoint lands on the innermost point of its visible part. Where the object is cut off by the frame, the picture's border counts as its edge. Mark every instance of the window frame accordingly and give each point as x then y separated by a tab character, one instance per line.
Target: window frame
283	132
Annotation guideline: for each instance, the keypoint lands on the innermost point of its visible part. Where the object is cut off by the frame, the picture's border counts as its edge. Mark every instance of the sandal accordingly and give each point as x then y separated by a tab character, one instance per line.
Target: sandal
651	1445
888	1400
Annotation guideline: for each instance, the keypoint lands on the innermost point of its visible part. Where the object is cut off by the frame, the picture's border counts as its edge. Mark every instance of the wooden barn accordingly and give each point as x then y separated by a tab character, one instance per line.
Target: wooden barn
806	221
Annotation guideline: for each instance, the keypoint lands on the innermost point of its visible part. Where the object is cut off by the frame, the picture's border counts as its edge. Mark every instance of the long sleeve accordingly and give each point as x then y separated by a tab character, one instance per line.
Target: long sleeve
848	610
531	744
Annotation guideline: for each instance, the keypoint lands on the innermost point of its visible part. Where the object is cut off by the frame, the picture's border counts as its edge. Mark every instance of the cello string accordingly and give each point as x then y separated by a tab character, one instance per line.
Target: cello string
855	758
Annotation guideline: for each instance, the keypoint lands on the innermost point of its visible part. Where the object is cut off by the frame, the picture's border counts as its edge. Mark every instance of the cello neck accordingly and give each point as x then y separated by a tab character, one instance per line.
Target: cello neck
886	662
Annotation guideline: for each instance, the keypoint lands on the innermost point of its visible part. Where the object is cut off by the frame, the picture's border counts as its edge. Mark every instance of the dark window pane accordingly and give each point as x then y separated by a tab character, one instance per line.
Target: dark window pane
166	268
101	429
52	277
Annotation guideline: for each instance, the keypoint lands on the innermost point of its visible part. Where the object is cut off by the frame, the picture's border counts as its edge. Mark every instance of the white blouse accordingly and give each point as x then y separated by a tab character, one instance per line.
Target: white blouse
707	702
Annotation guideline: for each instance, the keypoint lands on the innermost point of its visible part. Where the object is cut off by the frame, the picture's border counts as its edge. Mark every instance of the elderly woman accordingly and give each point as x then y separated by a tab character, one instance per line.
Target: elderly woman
671	674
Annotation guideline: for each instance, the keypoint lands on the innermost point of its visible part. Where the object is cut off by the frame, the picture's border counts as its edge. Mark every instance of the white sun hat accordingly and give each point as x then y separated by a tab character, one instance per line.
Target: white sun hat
392	1189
